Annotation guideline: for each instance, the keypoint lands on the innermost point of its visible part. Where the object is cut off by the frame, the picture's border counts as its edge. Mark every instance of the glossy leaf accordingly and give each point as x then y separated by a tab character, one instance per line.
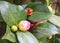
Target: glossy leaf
42	38
11	13
38	35
39	16
26	37
38	6
55	20
47	29
9	35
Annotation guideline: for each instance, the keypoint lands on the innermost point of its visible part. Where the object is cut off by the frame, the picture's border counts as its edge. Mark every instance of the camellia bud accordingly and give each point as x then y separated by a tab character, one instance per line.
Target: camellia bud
29	11
14	28
24	25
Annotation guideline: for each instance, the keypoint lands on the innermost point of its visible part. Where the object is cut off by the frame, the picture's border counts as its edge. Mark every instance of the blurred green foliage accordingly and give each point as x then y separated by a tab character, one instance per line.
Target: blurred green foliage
54	39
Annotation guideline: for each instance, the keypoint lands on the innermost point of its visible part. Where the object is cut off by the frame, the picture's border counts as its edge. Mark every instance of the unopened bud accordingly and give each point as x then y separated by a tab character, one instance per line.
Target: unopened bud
24	25
29	11
14	28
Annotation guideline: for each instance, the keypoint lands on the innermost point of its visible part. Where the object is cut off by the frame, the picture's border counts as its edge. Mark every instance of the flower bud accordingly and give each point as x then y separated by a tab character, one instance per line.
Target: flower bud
14	28
29	11
24	25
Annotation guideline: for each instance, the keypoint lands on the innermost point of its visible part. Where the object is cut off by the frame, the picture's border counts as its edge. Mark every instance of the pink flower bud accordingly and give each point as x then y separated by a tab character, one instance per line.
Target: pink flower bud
24	25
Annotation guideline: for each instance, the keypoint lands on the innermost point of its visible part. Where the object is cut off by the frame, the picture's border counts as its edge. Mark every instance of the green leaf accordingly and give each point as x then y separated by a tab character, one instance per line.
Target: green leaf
4	41
1	41
26	37
38	6
47	29
43	38
44	41
39	16
55	20
11	13
38	35
1	18
9	35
